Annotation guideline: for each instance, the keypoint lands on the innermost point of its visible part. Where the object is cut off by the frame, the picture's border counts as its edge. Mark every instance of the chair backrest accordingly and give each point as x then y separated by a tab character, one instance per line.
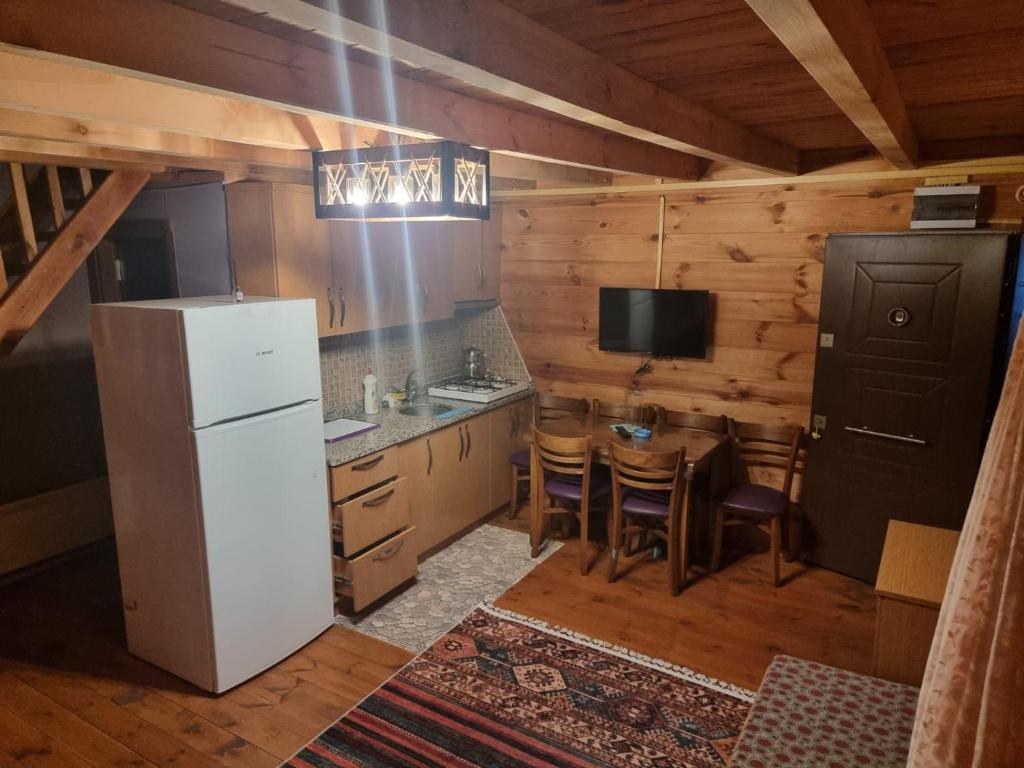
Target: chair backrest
767	445
702	421
636	414
562	455
647	470
549	407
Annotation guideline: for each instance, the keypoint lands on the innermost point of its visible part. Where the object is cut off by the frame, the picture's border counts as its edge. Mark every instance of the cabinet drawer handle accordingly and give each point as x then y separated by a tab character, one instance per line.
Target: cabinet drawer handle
368	464
341	298
430	457
480	273
462	444
330	304
380	499
483	269
886	435
387	554
469	441
342	580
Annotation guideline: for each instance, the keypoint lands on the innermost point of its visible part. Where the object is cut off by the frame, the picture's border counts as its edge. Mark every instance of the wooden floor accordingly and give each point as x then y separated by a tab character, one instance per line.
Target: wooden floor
727	625
71	696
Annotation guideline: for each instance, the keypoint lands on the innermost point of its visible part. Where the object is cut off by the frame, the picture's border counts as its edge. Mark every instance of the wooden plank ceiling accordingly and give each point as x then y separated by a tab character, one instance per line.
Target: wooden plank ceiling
957	64
952	66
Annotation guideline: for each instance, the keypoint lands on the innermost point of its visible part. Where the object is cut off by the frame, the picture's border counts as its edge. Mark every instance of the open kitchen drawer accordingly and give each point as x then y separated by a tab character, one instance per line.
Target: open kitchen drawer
376	571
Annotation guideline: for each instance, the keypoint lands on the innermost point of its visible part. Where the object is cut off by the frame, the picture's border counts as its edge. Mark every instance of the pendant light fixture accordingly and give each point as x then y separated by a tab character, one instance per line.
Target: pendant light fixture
432	181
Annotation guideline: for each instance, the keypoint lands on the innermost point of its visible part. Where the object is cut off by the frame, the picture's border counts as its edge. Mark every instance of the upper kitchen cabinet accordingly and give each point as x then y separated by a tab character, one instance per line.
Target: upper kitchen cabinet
362	275
406	266
279	247
476	246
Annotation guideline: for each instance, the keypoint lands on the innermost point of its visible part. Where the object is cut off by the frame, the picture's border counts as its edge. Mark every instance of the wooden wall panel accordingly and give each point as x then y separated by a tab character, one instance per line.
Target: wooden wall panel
759	250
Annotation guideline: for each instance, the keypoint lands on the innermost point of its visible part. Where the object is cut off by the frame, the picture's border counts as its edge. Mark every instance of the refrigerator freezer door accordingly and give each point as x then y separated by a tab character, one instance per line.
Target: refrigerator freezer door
248	358
266	536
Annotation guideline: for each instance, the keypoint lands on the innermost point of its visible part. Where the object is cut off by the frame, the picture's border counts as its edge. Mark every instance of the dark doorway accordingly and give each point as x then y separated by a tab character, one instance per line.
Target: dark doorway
909	324
135	262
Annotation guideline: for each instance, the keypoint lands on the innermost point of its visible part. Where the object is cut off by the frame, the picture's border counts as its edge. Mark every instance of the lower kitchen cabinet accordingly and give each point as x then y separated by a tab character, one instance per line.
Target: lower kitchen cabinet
458	475
449	482
374	548
390	507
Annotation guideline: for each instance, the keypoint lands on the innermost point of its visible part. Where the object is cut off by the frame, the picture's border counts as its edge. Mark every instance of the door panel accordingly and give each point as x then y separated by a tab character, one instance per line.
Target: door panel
266	538
902	388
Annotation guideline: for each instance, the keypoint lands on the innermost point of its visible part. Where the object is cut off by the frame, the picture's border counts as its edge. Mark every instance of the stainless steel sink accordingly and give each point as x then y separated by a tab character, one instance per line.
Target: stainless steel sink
424	409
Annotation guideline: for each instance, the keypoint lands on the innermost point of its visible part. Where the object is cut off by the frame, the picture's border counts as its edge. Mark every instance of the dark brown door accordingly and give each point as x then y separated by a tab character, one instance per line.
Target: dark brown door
908	326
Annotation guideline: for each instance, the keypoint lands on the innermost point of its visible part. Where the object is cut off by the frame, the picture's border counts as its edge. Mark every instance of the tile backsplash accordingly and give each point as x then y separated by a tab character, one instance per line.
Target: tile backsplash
434	349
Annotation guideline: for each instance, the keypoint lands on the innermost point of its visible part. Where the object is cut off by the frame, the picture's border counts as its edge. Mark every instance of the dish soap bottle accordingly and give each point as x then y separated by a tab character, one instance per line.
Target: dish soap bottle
371	394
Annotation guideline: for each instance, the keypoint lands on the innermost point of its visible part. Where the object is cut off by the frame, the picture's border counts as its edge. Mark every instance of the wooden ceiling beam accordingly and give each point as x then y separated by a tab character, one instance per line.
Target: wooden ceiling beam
176	46
173	148
494	47
837	43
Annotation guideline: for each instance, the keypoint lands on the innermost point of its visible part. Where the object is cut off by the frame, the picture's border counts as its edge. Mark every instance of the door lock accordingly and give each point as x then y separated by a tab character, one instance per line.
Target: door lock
818	424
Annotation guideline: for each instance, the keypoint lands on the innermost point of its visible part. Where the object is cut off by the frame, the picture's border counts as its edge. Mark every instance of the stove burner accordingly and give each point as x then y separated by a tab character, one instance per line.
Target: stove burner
479	385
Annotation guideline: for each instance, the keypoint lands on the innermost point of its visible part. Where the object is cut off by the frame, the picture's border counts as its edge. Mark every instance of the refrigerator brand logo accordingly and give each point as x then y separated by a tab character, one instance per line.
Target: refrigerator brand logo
262	352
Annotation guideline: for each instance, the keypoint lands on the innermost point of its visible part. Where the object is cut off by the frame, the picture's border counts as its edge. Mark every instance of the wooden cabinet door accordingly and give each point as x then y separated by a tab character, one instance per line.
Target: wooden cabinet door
354	287
467	263
250	218
302	251
418	463
471	490
490	256
510	427
431	466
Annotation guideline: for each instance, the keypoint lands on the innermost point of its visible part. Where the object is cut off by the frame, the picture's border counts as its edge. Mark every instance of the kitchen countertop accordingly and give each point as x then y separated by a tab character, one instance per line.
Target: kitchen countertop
396	428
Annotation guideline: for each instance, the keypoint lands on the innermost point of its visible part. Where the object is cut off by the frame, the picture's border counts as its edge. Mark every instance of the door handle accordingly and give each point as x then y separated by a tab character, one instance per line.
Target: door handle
469	441
330	303
344	309
380	499
462	444
480	274
886	436
368	464
430	457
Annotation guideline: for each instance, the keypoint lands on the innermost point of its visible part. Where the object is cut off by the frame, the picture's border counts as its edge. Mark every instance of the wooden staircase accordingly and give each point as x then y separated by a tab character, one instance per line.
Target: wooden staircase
50	220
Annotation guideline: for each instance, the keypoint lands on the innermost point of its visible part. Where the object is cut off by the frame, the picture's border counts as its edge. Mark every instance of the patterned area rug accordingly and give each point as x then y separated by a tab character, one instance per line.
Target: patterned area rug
479	567
503	691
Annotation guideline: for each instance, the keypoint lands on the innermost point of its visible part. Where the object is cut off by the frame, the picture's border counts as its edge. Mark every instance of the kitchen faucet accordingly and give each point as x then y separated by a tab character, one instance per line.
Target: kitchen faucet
413	389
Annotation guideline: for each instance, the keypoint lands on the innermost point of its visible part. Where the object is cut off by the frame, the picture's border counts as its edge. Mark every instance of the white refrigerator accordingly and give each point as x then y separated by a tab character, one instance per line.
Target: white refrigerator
214	438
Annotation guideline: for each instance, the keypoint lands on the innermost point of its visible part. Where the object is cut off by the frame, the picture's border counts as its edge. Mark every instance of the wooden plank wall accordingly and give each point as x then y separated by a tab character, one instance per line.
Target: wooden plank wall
760	252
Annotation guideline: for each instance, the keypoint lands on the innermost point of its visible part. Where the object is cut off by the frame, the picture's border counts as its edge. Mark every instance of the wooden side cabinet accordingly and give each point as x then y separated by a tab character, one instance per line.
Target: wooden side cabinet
916	561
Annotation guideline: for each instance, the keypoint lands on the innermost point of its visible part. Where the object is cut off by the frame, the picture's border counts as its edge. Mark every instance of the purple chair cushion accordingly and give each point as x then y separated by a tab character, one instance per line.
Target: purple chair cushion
570	487
651	503
758	501
521	459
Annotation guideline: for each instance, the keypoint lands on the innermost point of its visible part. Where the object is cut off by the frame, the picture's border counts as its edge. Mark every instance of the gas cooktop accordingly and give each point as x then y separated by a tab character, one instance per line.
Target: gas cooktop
479	390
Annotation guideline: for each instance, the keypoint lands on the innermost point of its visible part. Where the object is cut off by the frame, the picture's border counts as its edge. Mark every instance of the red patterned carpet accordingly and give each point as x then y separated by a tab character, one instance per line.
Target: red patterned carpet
502	691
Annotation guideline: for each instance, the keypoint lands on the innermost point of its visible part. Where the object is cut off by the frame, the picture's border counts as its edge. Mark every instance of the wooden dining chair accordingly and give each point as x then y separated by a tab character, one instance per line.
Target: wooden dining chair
759	445
704	422
564	466
649	496
545	408
635	414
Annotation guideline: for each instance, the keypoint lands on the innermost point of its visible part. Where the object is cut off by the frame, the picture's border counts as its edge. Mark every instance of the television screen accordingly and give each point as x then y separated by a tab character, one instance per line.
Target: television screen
665	323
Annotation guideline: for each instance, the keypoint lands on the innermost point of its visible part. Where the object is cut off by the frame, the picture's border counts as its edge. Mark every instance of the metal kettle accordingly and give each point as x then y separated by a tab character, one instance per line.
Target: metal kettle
474	363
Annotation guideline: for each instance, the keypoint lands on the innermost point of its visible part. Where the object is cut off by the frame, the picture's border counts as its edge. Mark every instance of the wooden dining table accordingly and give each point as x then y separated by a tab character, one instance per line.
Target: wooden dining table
706	454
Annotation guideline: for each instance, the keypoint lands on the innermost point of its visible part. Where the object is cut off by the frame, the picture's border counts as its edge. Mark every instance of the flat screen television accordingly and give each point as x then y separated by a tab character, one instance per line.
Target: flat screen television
663	323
